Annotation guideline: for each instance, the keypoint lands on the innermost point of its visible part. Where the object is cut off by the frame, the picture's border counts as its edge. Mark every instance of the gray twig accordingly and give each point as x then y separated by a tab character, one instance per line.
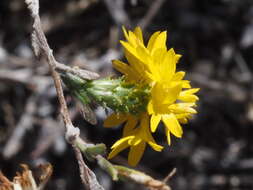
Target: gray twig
86	174
141	178
153	10
51	130
25	123
246	74
116	9
170	175
76	71
42	50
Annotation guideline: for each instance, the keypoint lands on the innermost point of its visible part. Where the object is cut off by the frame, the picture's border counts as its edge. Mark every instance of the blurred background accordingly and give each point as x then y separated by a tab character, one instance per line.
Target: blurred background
215	38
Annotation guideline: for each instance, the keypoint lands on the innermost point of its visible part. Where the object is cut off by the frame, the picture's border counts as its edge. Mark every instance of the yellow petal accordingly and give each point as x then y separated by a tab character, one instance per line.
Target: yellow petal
130	124
151	76
136	153
182	108
147	136
160	41
133	41
185	84
172	125
114	120
144	121
133	58
178	76
121	66
188	98
121	141
150	107
134	141
167	132
172	94
155	146
125	33
155	119
182	115
190	91
158	57
128	48
178	56
144	56
138	33
188	95
152	40
117	150
168	66
125	69
183	120
143	131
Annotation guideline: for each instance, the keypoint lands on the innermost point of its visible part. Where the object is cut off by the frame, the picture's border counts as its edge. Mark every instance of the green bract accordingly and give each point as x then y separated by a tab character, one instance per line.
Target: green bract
116	94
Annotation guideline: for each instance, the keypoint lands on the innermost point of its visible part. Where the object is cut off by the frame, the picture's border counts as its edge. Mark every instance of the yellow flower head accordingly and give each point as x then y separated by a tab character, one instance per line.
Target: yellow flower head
171	98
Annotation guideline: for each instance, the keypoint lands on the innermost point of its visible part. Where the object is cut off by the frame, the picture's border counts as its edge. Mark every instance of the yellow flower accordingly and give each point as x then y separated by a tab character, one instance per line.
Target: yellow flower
172	100
156	66
135	138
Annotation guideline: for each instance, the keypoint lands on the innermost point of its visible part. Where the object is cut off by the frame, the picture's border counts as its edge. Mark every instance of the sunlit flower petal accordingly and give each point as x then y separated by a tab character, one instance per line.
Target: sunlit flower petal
183	108
138	34
158	41
188	95
167	132
118	149
152	41
172	125
155	120
121	141
130	73
178	76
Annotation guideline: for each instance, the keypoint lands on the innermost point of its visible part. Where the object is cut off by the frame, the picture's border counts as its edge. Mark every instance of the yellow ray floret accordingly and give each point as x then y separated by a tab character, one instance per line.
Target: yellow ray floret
141	59
136	139
163	106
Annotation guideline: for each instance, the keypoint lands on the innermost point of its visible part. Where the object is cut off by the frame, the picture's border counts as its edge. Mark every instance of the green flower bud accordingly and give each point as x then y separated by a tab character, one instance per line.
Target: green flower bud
116	94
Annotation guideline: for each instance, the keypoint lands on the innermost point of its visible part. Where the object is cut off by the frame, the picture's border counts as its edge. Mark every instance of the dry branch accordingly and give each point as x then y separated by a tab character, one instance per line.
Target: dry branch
42	50
153	10
117	12
141	178
26	122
